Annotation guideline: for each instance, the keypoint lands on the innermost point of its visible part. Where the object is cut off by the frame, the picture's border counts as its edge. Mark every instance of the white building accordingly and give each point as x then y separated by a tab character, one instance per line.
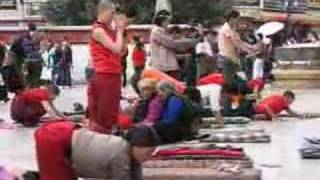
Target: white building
20	12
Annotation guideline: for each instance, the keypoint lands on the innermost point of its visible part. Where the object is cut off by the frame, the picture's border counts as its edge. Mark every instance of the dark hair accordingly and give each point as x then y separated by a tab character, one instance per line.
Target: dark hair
160	17
175	29
289	94
230	89
54	89
159	20
193	94
260	36
163	13
231	15
143	136
212	32
32	27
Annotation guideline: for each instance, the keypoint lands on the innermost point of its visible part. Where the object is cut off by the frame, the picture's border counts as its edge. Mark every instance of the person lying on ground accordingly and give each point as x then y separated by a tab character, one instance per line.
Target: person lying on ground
30	105
66	152
271	107
235	104
147	109
210	97
254	86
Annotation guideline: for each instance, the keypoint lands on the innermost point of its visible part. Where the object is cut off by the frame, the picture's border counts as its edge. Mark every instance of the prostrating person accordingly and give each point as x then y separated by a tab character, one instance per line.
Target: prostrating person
30	105
106	46
272	106
66	152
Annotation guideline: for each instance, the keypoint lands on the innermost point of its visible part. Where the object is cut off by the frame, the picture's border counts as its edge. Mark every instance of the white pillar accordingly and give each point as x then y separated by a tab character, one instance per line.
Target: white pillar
20	12
261	4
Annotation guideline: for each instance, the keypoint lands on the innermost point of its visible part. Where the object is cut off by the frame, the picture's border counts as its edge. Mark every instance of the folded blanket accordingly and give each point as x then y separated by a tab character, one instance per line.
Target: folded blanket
194	163
310	148
191	153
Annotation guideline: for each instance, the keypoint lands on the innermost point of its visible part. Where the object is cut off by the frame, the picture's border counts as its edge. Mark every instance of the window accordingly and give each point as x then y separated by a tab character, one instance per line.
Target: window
8	4
33	7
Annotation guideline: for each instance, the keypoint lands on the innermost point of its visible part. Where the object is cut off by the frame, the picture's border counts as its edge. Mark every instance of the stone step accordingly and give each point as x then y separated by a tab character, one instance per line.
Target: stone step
297	78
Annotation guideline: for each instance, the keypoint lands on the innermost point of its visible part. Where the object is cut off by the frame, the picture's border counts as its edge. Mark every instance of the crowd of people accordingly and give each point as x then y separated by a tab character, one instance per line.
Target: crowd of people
192	75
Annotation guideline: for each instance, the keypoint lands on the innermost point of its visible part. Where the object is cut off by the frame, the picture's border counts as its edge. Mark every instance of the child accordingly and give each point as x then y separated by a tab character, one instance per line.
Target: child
65	152
272	106
139	59
30	105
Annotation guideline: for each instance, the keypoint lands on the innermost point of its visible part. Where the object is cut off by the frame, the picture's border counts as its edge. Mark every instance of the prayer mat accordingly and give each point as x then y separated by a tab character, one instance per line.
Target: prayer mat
238	137
193	163
306	115
200	174
229	120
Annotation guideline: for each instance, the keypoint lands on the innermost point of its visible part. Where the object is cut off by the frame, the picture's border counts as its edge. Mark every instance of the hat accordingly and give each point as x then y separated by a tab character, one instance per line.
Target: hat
143	136
167	87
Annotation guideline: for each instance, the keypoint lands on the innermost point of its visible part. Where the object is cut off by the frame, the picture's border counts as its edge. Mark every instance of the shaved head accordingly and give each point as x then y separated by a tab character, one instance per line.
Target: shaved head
105	4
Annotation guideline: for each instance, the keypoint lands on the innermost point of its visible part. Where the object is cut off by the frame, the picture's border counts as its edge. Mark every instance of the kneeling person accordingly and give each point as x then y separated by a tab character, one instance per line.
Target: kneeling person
30	105
78	152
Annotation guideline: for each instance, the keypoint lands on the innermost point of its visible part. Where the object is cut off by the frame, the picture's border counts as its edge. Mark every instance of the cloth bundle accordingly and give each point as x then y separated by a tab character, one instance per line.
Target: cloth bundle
239	136
311	148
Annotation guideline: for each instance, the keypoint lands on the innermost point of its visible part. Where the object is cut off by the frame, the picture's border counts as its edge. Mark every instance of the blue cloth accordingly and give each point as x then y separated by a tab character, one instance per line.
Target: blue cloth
172	109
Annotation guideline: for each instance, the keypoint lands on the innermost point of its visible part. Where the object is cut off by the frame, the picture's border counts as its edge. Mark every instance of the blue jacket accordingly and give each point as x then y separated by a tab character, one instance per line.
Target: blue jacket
172	109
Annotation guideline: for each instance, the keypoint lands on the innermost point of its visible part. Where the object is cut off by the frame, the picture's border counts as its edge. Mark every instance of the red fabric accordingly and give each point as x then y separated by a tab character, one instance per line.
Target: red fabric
189	151
211	79
104	94
53	142
138	57
26	112
35	95
104	60
276	103
256	83
124	122
160	76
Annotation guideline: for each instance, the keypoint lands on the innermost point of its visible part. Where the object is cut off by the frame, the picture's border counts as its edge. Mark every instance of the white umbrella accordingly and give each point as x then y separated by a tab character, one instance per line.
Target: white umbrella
270	28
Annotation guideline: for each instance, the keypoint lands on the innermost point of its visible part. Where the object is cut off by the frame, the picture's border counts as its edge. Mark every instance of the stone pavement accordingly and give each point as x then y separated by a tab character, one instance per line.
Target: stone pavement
17	146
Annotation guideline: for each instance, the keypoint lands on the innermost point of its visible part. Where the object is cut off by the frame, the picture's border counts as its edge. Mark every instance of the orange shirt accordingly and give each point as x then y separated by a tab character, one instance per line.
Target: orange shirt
276	103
